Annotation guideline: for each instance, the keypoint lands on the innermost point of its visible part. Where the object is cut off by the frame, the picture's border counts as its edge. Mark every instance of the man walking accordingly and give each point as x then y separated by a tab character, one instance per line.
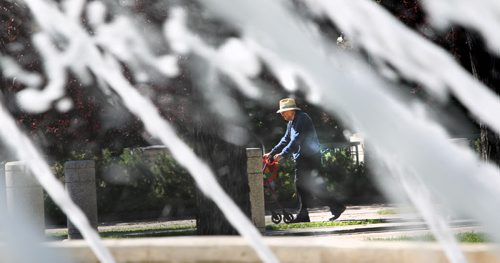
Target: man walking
301	141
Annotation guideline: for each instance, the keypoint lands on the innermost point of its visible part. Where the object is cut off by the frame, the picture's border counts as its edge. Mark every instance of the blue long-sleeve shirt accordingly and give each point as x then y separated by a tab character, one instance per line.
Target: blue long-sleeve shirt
300	138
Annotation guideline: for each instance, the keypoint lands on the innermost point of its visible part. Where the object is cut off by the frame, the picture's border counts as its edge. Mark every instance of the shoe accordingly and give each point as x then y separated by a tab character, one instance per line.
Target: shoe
301	218
336	212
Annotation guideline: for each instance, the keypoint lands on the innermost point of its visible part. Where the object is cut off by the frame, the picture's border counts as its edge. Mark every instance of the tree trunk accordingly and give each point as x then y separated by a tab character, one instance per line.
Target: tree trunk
228	162
483	143
489	145
489	141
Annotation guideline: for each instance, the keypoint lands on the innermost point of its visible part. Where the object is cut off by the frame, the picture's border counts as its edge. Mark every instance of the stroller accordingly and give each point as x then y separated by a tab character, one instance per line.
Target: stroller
270	172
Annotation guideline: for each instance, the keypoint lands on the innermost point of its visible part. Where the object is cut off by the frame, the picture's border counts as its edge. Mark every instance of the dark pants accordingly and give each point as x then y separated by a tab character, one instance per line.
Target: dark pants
310	184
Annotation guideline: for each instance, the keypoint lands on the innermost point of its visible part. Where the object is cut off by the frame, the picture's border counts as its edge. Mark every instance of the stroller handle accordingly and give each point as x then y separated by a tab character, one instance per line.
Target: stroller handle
268	161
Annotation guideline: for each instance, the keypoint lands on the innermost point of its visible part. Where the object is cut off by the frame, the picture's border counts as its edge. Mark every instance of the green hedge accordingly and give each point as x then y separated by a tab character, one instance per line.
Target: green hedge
132	187
140	185
350	181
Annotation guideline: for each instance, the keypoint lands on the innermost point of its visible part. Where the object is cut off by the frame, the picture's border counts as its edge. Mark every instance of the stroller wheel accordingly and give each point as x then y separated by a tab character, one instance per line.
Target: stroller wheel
275	217
287	217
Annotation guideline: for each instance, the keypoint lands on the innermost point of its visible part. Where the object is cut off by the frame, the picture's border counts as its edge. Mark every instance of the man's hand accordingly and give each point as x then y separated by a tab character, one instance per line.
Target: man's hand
277	157
266	155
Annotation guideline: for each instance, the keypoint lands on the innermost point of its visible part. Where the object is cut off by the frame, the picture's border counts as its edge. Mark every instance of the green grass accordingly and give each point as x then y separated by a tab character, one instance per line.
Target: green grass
147	228
57	235
465	237
149	231
387	211
134	232
472	237
323	224
164	231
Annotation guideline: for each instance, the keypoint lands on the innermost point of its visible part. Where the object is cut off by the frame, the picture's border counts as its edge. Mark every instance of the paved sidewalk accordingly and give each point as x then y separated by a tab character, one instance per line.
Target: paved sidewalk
316	214
395	222
357	212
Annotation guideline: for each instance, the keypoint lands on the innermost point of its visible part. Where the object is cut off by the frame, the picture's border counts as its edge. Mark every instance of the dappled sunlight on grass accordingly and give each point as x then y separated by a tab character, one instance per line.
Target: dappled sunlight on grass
323	224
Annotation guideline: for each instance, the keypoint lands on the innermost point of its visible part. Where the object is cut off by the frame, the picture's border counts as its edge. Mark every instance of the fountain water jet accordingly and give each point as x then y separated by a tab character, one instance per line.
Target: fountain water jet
420	156
109	70
481	15
385	39
26	151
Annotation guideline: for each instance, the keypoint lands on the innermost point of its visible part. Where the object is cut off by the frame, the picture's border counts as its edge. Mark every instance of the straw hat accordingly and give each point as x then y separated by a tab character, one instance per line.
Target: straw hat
287	104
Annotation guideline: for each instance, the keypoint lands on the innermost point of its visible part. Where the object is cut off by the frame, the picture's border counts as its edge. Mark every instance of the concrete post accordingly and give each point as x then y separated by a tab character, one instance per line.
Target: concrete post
255	182
3	194
80	184
24	195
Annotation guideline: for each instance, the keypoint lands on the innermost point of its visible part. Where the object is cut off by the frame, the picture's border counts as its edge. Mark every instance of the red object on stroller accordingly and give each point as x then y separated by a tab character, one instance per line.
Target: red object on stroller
270	171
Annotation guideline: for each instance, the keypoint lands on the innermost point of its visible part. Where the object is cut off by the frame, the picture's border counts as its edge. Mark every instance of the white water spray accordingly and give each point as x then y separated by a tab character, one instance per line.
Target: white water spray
481	15
362	100
355	95
390	42
183	41
425	202
26	151
109	70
